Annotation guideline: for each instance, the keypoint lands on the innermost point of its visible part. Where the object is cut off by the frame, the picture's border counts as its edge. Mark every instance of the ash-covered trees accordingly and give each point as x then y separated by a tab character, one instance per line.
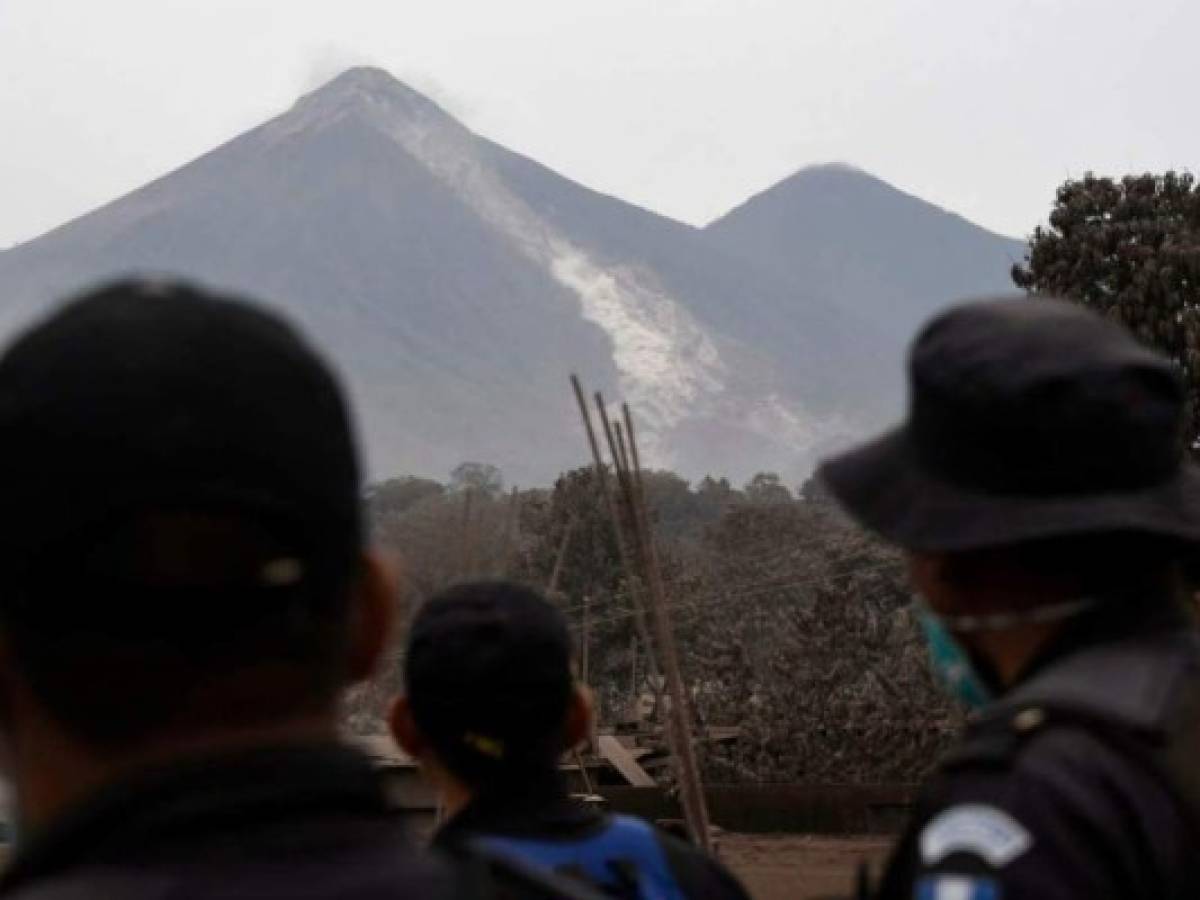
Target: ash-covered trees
798	628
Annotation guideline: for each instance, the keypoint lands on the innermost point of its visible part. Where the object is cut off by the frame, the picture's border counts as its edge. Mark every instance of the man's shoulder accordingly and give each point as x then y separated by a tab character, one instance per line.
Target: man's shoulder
1041	807
1045	766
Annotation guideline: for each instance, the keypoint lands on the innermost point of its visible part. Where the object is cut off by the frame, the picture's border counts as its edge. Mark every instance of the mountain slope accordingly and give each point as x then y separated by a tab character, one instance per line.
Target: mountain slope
807	340
450	341
456	285
853	241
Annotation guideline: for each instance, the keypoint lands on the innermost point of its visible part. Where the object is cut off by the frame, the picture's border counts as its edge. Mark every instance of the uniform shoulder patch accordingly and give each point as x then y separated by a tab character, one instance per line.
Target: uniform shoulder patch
975	828
956	887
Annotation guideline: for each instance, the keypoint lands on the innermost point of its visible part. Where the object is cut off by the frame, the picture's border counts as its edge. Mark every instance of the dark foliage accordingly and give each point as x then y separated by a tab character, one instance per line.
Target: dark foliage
1130	249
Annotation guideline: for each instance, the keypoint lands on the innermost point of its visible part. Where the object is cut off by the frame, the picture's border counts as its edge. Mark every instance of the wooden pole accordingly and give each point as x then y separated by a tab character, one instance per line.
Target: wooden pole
511	516
559	557
587	779
468	551
692	789
621	448
627	464
616	447
585	668
631	580
585	641
634	704
641	567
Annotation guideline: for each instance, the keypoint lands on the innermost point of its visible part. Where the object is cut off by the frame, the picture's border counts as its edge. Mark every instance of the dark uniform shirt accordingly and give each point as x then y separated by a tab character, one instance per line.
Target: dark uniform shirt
307	822
1076	783
544	812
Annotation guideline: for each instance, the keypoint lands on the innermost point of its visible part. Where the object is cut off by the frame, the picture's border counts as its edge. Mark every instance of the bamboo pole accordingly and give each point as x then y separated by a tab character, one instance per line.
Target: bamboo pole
585	641
559	557
640	552
634	711
587	779
635	598
693	790
551	592
638	571
511	516
585	667
467	562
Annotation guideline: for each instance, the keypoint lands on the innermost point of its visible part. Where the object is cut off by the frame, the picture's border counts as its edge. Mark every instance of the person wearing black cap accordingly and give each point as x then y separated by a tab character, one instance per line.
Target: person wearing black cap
1040	490
489	708
186	592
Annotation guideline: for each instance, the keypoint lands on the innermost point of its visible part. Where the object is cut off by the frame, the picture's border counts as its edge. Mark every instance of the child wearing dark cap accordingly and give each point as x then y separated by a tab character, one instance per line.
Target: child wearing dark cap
490	706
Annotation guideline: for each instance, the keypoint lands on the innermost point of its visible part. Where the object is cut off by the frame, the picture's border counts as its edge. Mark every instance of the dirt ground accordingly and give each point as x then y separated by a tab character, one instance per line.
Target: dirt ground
800	867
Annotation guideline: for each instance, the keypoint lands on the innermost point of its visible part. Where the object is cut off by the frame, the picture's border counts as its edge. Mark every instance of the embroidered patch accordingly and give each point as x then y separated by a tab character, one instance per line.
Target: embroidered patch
984	831
956	887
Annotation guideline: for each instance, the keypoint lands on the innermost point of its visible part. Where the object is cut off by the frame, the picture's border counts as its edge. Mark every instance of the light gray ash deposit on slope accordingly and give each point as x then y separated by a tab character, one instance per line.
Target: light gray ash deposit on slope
456	283
671	367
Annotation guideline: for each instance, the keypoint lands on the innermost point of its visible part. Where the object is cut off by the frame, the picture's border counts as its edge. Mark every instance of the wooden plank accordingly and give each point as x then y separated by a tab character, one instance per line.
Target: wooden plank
622	760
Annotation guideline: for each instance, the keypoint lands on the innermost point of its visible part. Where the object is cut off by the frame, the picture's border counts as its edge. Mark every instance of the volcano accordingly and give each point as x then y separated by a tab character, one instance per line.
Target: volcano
455	285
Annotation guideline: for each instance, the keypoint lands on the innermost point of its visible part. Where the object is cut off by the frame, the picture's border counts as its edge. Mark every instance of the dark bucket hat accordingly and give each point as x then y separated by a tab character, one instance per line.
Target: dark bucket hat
1029	419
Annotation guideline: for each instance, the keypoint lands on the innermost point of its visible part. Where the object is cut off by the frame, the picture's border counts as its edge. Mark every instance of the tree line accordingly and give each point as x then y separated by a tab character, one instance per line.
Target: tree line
794	626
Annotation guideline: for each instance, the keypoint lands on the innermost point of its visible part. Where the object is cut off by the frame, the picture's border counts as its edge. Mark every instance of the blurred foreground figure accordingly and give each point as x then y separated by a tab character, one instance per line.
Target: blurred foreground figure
185	594
490	708
1039	489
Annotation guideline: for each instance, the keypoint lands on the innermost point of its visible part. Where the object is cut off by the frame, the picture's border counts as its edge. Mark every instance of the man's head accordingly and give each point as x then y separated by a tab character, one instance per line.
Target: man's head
1120	567
489	694
1041	460
180	534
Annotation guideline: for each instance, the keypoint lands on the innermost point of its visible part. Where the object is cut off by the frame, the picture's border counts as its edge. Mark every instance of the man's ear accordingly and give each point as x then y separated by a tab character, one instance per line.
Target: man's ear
372	615
404	729
580	713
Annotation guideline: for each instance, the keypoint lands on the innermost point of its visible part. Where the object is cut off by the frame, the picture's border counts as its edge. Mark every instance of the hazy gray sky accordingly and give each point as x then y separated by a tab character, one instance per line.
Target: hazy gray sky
683	106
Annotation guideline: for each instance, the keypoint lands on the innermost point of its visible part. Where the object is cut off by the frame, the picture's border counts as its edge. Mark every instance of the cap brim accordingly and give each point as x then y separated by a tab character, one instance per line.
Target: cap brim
883	485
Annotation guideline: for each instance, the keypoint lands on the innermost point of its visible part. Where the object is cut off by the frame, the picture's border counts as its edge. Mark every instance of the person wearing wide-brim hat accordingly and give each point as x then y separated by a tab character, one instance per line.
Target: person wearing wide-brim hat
1040	488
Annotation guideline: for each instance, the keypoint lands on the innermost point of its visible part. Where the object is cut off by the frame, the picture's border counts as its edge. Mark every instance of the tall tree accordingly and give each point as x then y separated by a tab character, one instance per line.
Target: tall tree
765	487
1129	249
483	478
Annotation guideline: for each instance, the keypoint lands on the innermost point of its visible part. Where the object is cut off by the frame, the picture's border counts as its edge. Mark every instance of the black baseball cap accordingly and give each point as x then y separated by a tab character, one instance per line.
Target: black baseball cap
156	397
488	677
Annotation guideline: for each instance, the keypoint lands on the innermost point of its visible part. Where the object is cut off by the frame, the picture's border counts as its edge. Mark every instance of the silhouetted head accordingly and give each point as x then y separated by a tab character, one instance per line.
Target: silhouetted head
489	688
180	530
1040	474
